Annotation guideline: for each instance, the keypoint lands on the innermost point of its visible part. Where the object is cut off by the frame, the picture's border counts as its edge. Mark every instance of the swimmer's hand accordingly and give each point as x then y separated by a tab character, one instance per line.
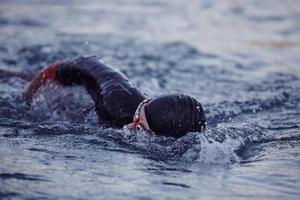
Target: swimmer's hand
27	97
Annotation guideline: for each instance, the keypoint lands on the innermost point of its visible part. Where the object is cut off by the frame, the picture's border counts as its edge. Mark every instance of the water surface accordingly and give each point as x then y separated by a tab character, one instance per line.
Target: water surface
239	58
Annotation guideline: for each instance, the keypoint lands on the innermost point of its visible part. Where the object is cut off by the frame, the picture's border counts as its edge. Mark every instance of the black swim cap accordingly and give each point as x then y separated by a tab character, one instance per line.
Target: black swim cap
175	115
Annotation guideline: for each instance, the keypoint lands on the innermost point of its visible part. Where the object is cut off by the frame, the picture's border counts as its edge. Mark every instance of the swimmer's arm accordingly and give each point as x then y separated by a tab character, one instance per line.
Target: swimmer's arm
67	74
81	71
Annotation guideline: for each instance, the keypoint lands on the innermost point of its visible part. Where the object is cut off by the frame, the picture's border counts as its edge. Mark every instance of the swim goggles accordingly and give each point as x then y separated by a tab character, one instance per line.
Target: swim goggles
136	119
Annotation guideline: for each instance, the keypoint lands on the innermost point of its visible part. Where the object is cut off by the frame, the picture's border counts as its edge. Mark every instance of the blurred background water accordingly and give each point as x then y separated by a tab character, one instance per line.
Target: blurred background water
239	58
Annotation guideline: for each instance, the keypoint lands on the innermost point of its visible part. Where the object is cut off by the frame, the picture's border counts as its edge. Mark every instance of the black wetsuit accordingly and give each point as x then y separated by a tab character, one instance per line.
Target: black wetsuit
115	97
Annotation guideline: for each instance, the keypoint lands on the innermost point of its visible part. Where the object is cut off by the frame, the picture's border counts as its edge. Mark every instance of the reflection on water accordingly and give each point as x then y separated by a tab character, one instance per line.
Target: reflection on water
239	58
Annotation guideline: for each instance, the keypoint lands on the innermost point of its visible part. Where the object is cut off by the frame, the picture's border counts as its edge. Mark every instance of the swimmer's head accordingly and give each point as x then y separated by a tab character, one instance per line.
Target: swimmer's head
171	115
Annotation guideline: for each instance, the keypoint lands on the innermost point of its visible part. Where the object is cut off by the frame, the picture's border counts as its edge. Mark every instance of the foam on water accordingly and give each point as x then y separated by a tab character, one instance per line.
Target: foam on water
56	109
239	59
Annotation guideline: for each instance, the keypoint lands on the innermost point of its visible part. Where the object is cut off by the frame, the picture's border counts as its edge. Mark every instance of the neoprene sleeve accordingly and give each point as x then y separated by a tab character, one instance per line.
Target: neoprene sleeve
116	99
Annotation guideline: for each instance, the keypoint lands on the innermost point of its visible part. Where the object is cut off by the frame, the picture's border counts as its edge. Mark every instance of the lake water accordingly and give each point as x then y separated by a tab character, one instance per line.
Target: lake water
239	58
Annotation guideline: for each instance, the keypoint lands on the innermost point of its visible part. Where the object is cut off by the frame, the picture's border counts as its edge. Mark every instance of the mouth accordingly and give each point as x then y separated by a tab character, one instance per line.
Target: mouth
130	126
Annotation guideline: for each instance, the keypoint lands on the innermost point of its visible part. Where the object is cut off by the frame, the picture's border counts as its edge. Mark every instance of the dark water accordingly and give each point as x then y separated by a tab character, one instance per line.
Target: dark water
239	58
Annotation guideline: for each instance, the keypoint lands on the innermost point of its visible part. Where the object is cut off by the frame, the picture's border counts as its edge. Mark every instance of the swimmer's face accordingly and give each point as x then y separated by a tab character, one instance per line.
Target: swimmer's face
140	121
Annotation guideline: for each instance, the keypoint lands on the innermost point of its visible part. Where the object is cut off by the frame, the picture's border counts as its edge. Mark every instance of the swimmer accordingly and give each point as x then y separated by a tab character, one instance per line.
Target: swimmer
119	102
